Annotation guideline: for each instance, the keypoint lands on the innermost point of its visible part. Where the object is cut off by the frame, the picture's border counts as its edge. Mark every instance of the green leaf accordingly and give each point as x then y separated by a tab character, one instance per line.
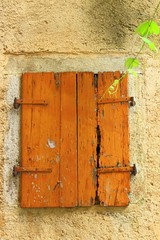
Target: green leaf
131	63
155	28
115	83
131	71
142	28
148	28
150	44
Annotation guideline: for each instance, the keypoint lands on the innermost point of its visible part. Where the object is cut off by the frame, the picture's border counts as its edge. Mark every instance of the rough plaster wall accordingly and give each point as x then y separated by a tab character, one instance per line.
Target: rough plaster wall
73	26
80	35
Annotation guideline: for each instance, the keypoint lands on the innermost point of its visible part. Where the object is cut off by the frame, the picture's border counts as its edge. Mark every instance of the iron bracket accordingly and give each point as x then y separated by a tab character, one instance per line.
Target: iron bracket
131	101
18	169
131	169
18	102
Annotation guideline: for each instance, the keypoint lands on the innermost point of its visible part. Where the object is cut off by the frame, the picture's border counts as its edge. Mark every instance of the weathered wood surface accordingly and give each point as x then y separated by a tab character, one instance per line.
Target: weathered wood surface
113	123
87	139
68	140
62	136
40	140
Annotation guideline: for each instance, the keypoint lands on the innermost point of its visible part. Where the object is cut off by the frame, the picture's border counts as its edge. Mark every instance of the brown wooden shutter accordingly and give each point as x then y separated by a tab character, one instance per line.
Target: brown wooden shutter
69	140
49	140
114	143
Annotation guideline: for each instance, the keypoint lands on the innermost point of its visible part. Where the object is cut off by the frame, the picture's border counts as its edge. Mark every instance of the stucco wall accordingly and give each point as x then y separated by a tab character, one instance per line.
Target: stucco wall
79	35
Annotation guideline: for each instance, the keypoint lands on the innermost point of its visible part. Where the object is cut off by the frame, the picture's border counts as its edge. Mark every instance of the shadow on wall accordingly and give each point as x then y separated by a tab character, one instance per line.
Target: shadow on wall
112	20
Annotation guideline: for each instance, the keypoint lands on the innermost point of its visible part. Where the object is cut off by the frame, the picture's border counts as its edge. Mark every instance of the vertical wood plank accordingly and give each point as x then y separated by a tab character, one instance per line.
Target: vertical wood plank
87	139
68	152
40	140
125	132
26	139
50	140
113	121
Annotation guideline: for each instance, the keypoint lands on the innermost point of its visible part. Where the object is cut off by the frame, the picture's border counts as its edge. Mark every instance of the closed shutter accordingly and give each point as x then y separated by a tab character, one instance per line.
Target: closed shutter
114	142
75	145
49	140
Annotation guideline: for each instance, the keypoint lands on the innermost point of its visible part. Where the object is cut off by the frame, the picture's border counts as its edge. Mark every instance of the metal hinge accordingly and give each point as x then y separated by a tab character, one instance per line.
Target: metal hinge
18	169
131	169
57	80
96	80
131	100
18	102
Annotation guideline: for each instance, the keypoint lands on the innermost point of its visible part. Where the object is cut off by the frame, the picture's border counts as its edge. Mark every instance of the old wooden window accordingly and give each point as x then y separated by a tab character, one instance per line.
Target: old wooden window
75	147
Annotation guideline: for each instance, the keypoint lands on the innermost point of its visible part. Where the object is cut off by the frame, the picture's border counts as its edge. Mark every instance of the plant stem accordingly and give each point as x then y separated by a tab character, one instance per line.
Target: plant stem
156	9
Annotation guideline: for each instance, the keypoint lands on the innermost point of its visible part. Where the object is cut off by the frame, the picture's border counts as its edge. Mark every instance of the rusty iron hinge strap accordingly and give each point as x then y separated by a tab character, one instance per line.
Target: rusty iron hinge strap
118	100
18	102
18	169
131	169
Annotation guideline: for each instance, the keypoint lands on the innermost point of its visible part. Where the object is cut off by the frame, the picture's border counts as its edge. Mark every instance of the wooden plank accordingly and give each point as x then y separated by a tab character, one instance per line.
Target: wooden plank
113	122
40	140
50	145
125	144
68	151
87	139
26	137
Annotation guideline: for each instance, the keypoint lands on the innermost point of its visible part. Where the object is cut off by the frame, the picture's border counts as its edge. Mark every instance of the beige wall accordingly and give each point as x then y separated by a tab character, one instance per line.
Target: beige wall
79	35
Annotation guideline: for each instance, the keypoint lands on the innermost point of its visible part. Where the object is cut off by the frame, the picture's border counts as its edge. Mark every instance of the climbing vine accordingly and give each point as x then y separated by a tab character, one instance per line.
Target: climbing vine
146	31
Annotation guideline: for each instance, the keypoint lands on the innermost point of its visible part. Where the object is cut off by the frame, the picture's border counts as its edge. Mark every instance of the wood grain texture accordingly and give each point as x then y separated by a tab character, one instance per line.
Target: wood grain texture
62	136
113	122
68	141
87	139
40	140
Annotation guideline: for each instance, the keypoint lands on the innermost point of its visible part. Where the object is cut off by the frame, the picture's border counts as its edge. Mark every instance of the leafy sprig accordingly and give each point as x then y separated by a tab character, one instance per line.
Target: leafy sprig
146	30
